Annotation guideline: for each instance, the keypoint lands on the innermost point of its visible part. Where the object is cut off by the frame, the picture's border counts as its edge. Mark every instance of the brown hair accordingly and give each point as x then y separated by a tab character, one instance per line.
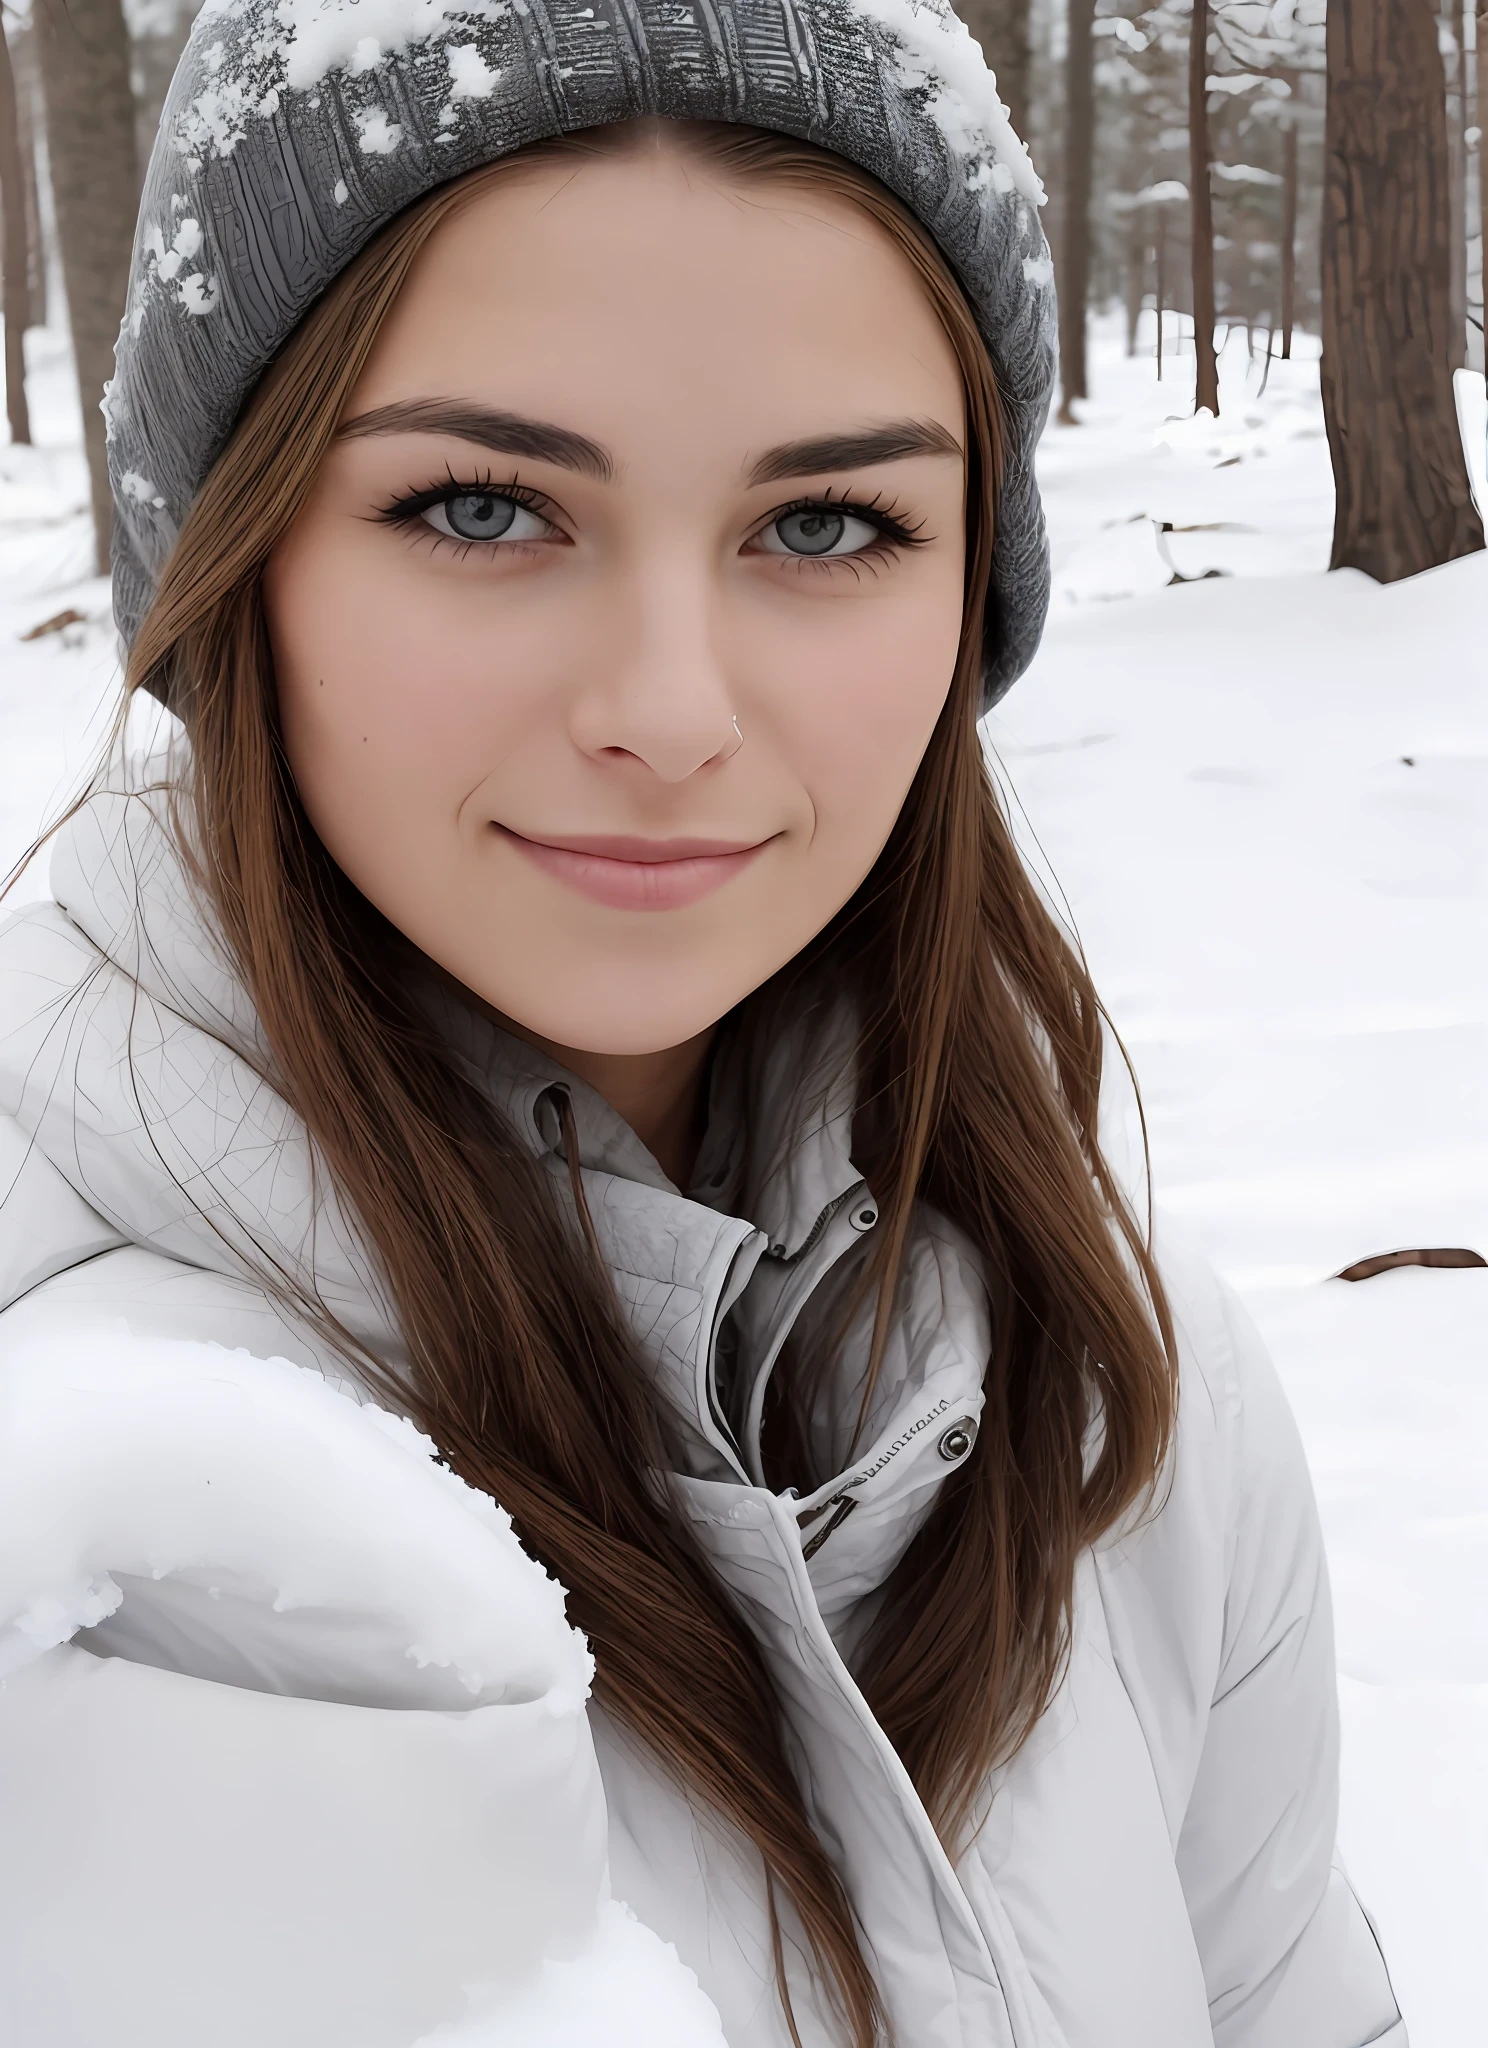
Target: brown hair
980	1044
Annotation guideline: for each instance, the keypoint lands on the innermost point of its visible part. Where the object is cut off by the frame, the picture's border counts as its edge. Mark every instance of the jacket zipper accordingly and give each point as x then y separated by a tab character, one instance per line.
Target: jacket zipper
813	1236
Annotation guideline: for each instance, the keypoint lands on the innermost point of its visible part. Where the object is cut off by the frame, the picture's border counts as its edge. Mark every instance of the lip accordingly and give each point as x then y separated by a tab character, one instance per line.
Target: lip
624	873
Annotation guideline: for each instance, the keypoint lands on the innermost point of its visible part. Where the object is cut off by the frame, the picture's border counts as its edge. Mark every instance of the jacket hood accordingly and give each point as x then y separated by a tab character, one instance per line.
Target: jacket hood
296	129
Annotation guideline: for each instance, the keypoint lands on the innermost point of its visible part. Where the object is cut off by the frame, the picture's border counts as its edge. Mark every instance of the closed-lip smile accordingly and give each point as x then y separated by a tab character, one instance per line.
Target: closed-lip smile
627	873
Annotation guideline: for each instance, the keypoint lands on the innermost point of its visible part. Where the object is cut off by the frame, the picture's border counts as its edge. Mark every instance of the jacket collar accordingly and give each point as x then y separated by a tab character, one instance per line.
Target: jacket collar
777	1148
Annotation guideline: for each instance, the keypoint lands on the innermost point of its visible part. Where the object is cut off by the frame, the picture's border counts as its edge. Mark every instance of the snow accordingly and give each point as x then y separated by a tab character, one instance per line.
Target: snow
168	260
198	294
1265	797
939	53
629	1991
376	134
140	489
204	1554
471	77
217	119
322	36
1250	493
149	1465
56	693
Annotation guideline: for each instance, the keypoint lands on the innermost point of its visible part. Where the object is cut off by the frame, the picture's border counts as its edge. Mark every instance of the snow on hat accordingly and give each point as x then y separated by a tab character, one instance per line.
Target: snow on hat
296	129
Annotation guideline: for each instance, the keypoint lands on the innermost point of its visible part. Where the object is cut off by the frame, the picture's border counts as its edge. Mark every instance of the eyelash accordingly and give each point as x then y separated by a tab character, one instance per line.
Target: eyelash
894	531
407	512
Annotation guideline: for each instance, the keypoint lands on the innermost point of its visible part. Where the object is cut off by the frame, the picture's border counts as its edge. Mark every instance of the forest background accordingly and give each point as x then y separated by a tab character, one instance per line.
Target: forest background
1250	762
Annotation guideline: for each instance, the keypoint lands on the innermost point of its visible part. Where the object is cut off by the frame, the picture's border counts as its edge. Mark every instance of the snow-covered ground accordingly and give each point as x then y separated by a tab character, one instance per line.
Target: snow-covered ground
56	692
1265	797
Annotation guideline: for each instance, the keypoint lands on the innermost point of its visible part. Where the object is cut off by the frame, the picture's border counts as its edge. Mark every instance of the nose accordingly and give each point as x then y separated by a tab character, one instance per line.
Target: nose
658	694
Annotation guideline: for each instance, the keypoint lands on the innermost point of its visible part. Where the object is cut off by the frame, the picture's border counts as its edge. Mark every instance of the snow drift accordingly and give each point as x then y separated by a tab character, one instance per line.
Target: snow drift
292	1733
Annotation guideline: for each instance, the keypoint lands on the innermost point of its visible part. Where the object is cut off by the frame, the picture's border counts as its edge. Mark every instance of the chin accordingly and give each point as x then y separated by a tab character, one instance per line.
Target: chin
616	1022
629	1037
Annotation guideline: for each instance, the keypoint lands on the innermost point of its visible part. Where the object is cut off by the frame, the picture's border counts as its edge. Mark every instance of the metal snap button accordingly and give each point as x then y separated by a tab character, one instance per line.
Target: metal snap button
865	1219
958	1439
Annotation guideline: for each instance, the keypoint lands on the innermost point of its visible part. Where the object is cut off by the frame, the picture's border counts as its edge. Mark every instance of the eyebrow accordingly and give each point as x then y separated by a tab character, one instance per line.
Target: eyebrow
503	433
895	442
512	433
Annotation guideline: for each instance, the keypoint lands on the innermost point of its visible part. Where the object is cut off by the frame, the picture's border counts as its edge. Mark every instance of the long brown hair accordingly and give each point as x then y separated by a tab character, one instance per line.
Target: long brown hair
980	1047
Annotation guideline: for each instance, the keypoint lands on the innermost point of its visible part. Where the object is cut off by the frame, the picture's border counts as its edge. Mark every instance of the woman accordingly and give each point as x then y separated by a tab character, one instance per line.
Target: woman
567	979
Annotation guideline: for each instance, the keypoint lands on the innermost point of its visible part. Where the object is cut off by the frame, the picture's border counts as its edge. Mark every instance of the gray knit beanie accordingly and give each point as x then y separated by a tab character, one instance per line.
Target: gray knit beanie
296	129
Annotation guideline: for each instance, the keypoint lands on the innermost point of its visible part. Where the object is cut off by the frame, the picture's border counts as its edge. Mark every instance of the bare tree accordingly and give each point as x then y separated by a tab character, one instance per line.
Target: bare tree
15	252
1134	274
1002	29
1480	112
1454	56
1403	499
1074	240
1289	181
31	123
1201	211
1160	301
83	48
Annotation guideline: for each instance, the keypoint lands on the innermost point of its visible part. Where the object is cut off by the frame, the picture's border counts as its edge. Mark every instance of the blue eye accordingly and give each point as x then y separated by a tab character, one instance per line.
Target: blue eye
817	530
484	515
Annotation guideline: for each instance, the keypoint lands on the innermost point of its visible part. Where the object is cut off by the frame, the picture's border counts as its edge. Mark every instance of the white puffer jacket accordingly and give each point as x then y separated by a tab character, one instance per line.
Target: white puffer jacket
328	1776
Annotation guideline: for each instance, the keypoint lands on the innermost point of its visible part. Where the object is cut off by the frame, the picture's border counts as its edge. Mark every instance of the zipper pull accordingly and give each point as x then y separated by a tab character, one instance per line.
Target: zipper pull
842	1505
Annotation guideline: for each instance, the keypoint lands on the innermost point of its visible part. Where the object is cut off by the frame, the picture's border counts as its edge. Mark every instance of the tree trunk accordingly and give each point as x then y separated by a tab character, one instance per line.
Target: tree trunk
1201	212
1079	139
1403	500
15	253
1456	82
1481	113
1475	113
1289	228
1134	277
33	151
83	48
1002	29
1161	282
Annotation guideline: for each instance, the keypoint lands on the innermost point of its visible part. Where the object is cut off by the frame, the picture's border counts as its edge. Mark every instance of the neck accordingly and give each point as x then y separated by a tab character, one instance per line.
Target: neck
659	1094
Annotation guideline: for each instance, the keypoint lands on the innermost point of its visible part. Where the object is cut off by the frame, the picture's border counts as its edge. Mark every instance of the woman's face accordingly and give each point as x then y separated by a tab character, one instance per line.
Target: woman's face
625	604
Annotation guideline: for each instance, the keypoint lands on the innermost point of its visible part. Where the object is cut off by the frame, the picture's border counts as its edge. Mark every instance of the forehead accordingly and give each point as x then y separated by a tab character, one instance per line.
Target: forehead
638	296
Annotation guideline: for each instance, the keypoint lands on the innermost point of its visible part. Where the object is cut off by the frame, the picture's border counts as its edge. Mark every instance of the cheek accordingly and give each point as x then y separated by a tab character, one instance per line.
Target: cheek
395	700
857	707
